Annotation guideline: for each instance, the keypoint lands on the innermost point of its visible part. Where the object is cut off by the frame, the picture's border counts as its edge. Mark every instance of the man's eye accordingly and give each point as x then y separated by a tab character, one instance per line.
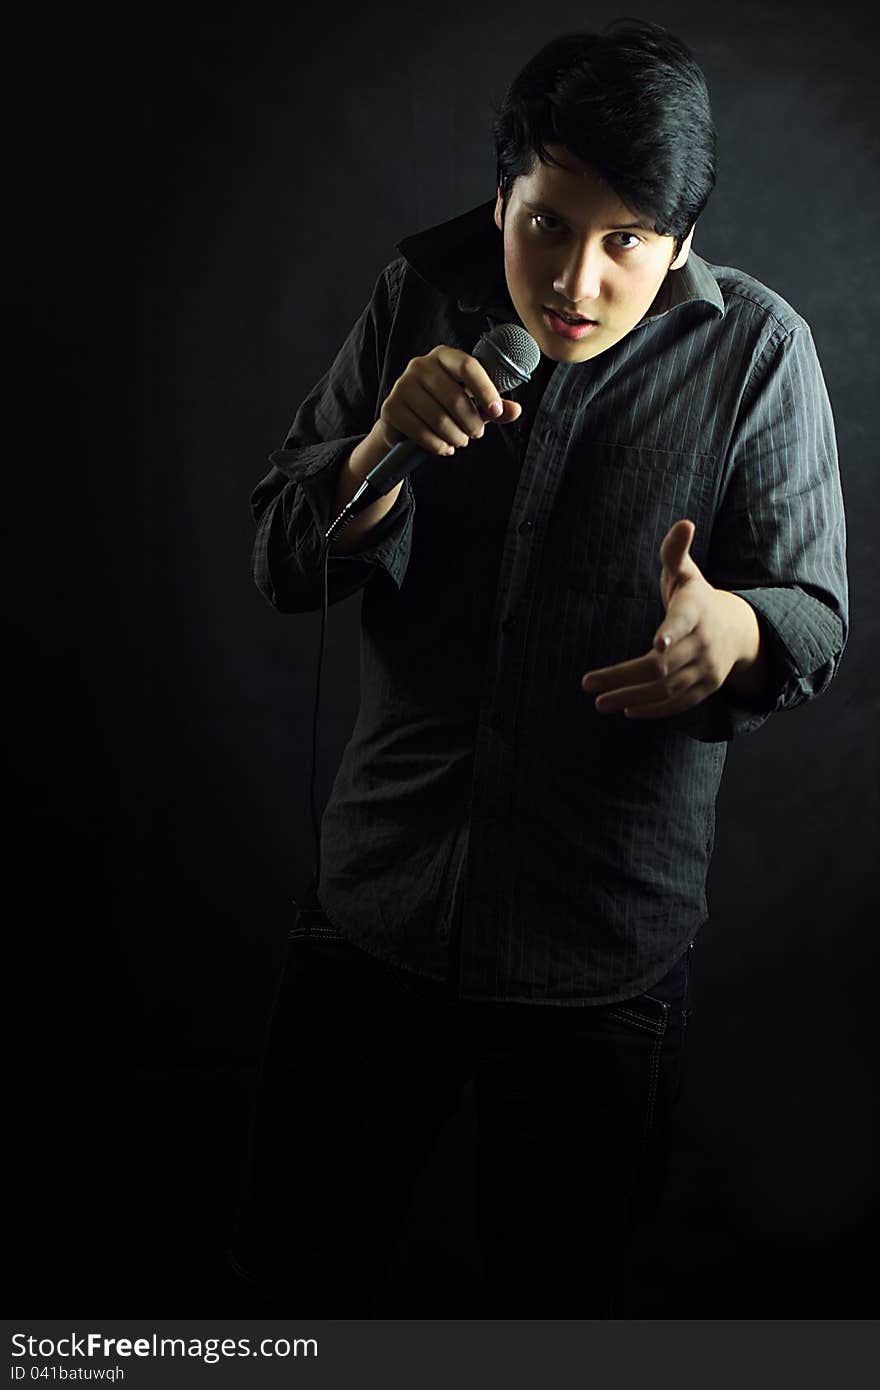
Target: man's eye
631	238
544	222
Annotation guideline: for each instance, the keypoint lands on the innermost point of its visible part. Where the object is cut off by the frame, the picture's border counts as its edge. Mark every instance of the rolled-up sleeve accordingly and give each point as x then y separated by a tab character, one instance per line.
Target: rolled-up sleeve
779	539
294	503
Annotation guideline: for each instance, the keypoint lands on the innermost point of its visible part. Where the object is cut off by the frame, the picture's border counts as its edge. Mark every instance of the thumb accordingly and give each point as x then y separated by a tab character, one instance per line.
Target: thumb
675	549
511	410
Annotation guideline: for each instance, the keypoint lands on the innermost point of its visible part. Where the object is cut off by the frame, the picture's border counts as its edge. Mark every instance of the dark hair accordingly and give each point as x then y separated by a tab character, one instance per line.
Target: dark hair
630	101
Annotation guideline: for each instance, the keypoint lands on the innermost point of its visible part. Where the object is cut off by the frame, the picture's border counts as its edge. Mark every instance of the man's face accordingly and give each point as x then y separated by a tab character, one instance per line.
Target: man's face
571	245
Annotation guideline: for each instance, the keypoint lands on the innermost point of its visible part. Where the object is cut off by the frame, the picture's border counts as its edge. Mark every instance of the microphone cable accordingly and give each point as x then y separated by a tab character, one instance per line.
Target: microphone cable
313	792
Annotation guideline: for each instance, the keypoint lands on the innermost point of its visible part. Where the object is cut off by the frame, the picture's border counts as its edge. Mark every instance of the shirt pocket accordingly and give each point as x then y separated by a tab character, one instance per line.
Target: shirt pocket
617	506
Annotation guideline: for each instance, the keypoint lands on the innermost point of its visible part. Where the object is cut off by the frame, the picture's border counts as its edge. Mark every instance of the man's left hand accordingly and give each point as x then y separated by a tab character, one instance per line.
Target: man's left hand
708	636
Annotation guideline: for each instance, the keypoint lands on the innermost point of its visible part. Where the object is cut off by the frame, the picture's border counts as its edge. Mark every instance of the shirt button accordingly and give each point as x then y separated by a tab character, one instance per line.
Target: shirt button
525	526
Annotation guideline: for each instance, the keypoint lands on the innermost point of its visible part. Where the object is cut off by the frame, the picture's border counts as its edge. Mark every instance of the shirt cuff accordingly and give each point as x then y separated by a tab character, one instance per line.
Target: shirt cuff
803	640
803	633
316	468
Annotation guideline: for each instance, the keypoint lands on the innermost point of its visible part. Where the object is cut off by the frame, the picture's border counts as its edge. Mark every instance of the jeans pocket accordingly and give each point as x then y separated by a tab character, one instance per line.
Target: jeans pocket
312	926
310	923
637	1028
672	988
643	1013
660	1016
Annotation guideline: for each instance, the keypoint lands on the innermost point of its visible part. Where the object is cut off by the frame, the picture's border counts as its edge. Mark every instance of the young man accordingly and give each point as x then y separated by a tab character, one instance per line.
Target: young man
562	629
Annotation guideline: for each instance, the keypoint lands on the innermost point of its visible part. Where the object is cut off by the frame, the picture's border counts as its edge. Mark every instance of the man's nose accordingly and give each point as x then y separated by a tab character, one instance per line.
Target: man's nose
580	279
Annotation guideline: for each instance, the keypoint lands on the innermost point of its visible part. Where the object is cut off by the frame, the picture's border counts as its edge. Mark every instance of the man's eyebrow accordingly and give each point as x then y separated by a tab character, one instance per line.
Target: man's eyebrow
641	224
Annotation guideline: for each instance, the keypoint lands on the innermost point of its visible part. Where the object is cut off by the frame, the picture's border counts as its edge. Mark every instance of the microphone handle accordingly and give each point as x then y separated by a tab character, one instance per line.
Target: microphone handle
400	460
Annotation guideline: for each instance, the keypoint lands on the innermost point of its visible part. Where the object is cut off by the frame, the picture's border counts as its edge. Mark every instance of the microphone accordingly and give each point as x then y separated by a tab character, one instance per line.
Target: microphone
508	355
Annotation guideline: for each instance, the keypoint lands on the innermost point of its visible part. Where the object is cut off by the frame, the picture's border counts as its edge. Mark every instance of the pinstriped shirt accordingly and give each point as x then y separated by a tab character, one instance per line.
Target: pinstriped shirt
486	824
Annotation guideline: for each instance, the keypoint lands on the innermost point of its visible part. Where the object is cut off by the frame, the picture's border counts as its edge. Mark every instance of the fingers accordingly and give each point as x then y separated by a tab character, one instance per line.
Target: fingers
410	425
443	400
655	677
676	692
472	379
653	666
695	693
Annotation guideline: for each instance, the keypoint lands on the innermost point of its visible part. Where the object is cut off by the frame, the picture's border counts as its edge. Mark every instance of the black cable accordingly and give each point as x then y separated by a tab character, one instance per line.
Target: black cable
316	827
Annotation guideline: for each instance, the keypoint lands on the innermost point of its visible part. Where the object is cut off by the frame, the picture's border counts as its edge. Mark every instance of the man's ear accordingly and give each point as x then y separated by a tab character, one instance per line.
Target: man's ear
499	211
685	250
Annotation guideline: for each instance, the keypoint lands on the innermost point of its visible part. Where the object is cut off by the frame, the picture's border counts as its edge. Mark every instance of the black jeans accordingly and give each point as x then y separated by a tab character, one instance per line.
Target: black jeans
364	1063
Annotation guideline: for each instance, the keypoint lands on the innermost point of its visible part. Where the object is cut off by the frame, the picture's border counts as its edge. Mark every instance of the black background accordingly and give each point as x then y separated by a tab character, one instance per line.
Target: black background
205	197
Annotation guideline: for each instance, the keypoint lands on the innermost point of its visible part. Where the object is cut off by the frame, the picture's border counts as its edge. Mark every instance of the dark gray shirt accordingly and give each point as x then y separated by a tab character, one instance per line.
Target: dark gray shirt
486	822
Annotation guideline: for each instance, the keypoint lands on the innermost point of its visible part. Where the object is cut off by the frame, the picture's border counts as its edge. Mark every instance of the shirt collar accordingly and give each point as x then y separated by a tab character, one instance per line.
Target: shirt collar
694	282
462	257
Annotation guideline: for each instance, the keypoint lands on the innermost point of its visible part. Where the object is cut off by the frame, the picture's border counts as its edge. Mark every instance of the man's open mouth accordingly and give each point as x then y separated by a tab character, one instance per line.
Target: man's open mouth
570	318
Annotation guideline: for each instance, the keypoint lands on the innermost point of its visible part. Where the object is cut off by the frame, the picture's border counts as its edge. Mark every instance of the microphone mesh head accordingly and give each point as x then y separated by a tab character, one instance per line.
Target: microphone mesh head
508	355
